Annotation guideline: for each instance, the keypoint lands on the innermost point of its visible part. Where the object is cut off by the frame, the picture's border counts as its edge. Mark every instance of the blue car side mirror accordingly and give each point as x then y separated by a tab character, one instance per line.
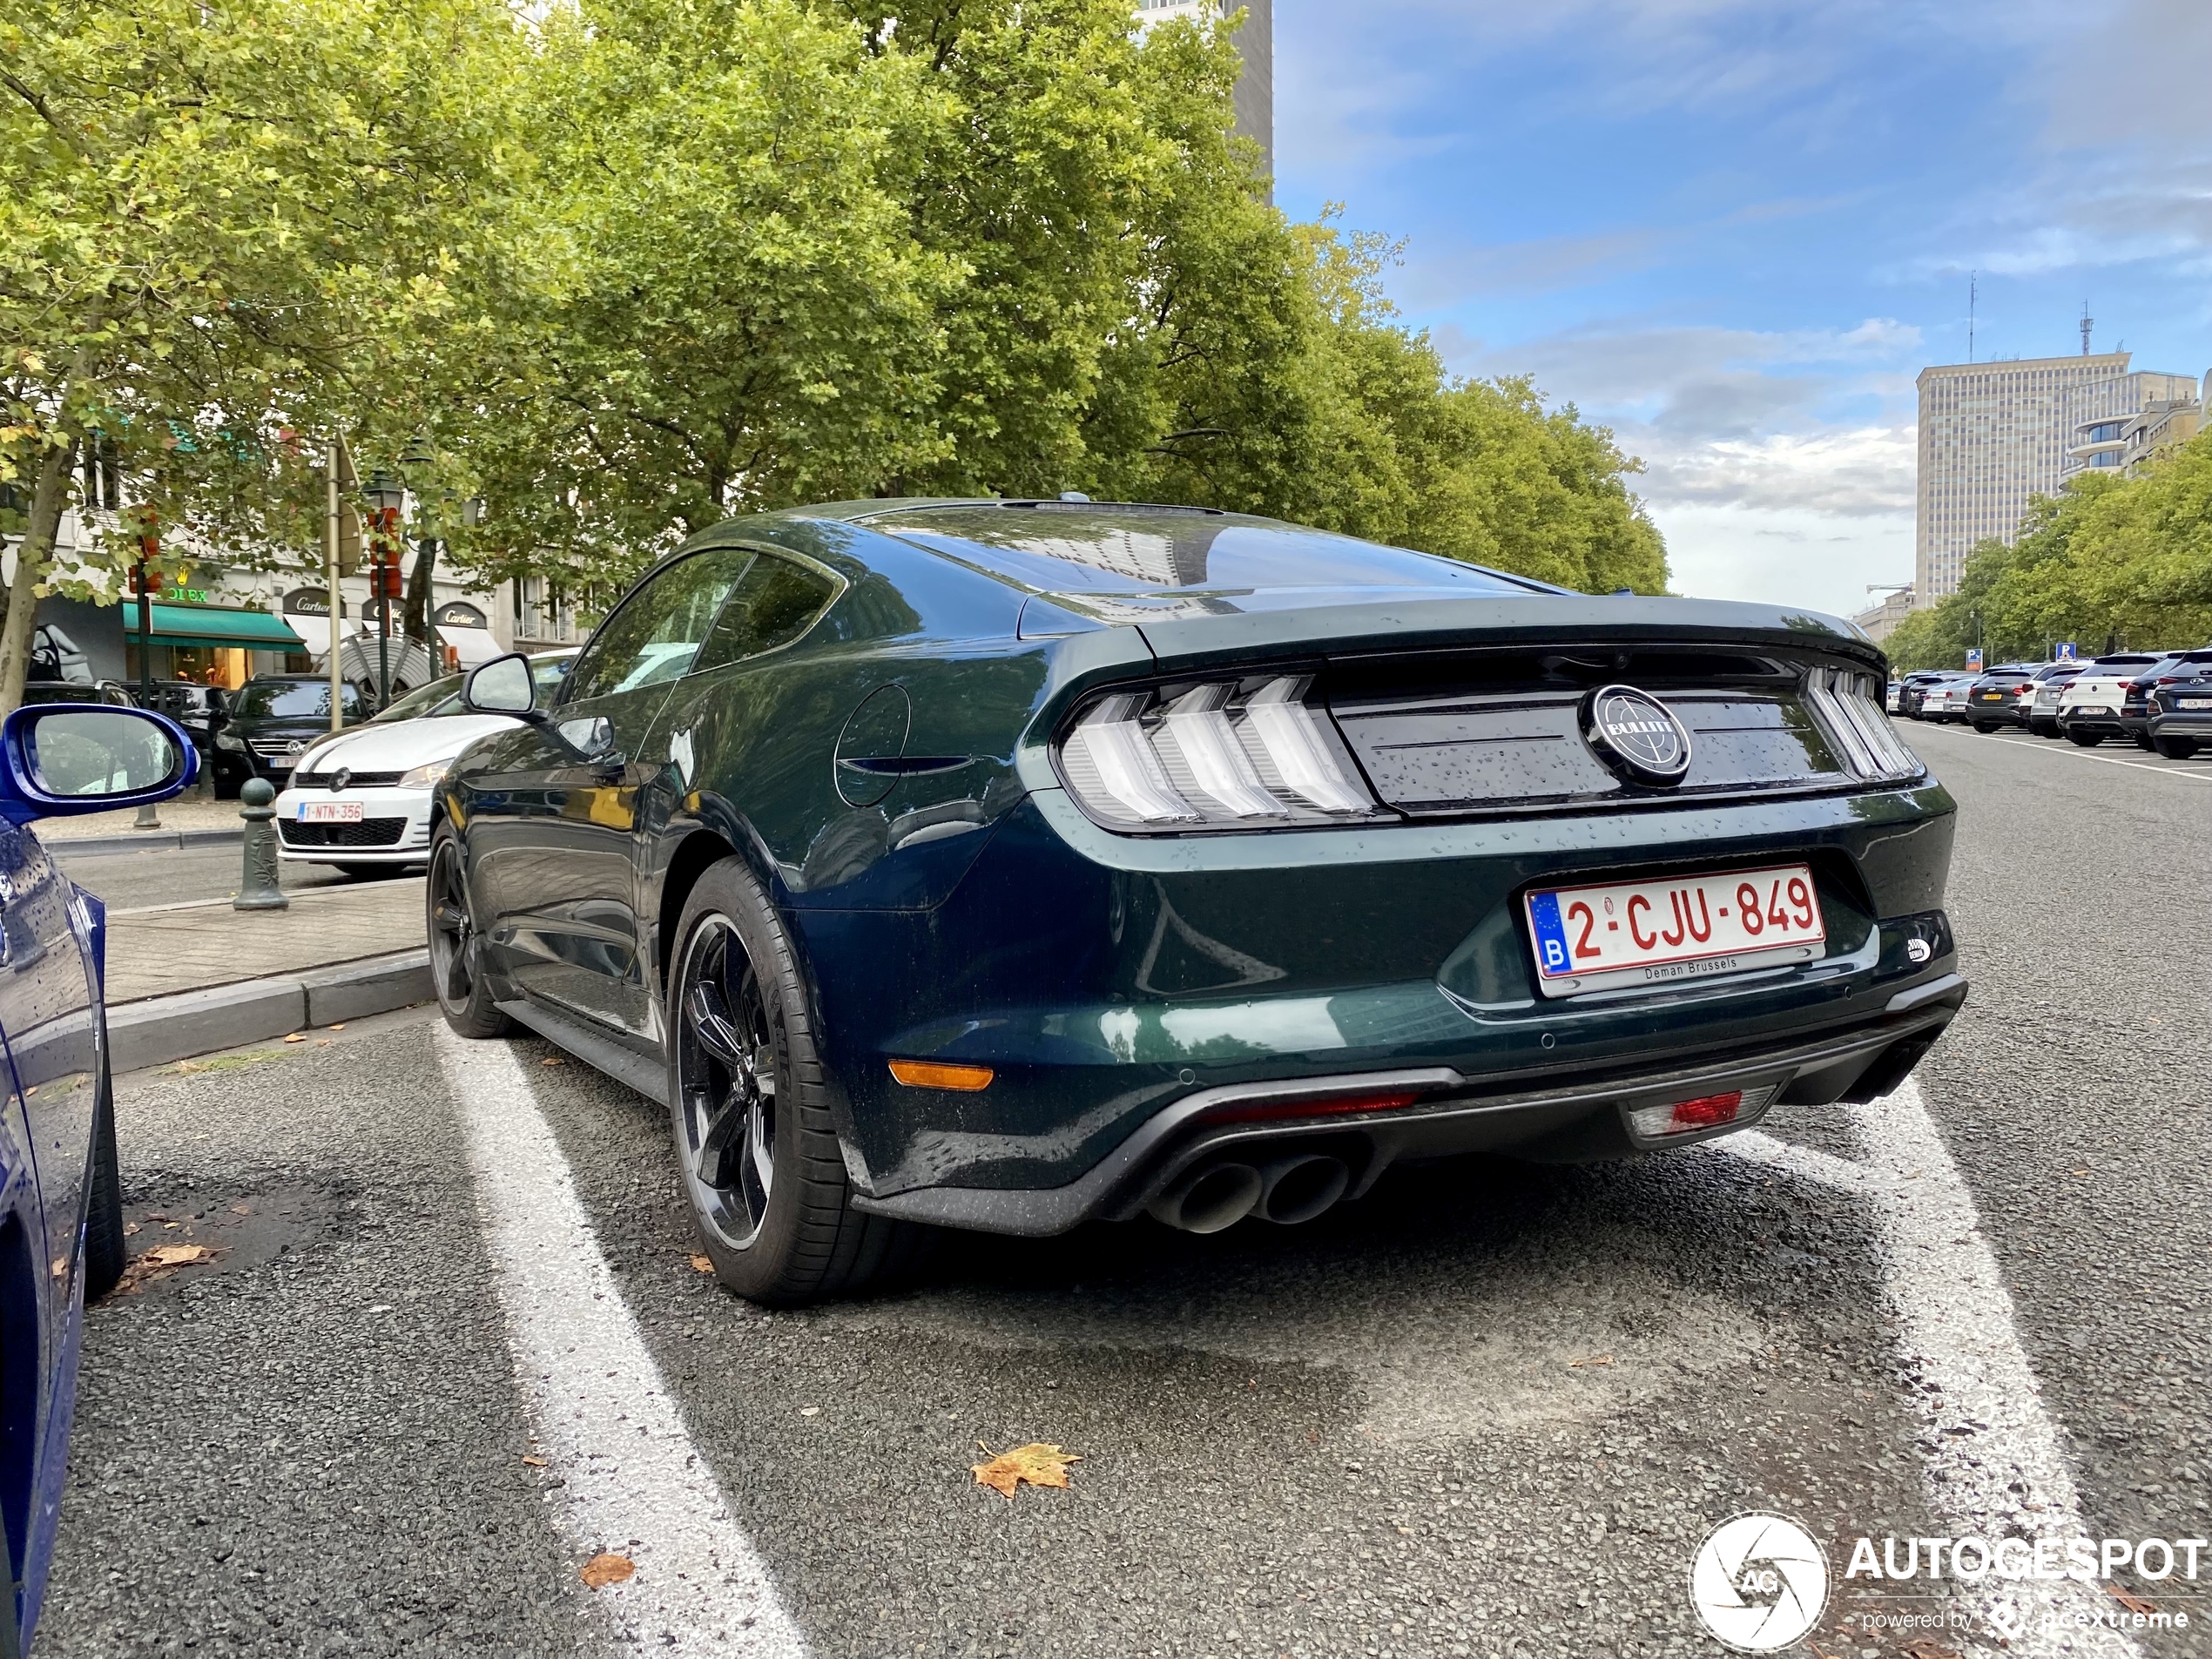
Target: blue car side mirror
64	758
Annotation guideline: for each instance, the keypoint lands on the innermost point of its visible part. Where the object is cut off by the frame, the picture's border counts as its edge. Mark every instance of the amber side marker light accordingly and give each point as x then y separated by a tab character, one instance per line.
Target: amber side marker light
931	1074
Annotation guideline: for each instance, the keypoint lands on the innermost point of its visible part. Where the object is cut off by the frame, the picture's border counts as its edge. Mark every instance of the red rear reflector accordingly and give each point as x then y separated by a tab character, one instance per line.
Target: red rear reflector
1326	1106
1706	1110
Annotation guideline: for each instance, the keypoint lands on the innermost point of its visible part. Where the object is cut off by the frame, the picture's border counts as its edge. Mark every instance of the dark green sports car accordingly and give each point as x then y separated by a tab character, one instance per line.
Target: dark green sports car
1012	864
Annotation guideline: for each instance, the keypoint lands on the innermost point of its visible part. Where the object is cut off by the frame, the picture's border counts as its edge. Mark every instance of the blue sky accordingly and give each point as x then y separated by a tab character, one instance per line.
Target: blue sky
1735	230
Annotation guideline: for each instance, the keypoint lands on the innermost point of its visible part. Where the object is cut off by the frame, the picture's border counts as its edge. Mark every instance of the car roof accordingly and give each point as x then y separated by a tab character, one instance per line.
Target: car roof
1096	551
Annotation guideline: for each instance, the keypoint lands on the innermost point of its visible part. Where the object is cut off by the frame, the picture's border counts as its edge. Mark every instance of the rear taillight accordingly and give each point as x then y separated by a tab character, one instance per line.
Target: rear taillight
1850	708
1221	754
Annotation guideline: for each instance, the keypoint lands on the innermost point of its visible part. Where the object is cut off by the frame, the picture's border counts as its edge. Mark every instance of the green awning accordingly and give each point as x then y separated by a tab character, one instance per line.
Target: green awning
213	626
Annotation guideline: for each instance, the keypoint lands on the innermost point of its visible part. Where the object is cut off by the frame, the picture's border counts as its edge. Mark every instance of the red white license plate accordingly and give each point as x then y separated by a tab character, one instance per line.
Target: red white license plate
330	812
1658	933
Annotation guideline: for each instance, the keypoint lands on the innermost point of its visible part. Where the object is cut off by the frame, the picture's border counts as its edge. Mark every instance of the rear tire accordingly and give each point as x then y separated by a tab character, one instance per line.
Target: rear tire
457	948
2086	739
1986	727
2143	742
749	1104
2176	748
105	1252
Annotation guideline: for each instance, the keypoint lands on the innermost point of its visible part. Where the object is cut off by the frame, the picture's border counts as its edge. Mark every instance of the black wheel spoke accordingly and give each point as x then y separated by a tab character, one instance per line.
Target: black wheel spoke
727	1065
710	1017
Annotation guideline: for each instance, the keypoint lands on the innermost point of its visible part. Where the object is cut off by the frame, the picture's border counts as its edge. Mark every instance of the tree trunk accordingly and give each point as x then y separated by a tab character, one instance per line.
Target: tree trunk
34	557
416	611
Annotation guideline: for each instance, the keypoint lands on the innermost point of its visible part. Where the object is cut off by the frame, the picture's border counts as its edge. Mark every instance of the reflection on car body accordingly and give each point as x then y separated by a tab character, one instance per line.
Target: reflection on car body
1008	865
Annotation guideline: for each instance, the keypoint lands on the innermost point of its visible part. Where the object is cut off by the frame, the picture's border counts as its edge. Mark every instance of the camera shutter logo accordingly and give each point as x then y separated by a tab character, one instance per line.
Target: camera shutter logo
1636	735
1759	1582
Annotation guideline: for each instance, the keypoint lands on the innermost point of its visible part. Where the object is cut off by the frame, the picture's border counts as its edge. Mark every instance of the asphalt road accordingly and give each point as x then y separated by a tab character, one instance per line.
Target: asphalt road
182	875
453	1345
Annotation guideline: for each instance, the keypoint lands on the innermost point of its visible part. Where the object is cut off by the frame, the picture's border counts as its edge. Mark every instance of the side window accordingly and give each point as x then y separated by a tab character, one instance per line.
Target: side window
773	602
654	633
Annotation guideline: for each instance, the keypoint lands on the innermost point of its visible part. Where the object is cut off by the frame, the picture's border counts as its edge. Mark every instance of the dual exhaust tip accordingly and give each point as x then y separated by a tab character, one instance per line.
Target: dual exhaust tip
1223	1192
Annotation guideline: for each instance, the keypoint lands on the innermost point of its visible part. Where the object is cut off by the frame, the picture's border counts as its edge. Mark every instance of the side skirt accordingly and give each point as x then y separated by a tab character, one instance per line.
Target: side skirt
626	1066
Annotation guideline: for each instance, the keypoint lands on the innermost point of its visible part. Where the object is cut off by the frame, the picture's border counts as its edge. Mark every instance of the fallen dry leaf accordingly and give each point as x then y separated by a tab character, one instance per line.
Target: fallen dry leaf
606	1568
705	1263
534	1462
1594	1359
340	1026
240	1210
158	1264
553	1060
1928	1647
129	1227
178	1255
2128	1599
296	1037
1038	1464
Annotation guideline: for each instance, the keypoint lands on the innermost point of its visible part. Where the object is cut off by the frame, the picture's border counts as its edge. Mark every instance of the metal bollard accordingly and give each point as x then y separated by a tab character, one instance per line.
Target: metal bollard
258	888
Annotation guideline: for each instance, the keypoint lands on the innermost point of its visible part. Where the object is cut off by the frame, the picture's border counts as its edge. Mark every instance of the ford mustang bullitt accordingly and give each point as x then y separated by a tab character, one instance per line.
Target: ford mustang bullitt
1008	865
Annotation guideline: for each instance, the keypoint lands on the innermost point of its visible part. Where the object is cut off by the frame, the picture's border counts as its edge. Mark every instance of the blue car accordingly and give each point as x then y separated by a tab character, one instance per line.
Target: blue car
61	1200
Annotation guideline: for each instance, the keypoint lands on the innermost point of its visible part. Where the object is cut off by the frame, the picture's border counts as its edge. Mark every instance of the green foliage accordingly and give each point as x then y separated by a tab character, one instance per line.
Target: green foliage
2120	561
625	268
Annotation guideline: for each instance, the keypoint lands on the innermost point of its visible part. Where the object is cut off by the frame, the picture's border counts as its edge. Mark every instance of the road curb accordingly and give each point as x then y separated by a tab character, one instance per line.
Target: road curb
164	840
155	1030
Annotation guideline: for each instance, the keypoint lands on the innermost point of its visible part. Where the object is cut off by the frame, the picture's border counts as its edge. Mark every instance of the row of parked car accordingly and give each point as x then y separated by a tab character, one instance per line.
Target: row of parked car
2163	700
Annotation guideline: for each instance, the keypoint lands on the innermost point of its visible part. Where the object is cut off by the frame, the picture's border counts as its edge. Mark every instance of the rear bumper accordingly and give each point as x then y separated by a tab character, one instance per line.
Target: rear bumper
2191	725
1108	982
1563	1121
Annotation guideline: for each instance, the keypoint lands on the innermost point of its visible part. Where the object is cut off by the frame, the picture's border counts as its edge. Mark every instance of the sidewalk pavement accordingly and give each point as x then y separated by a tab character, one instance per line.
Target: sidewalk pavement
185	821
189	979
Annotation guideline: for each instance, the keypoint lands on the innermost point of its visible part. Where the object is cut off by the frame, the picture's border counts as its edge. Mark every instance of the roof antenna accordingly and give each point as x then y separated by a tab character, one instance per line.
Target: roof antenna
2088	323
1973	293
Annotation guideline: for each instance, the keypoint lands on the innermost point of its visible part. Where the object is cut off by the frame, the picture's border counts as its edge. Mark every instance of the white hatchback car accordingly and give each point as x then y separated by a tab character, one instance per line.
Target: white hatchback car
361	797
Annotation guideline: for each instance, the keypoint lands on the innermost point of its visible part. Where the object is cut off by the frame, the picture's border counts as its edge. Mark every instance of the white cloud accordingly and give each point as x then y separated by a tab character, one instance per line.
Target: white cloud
1785	556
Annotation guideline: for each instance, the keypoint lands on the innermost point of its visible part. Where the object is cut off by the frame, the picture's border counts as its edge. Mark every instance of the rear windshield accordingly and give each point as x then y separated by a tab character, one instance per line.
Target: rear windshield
1074	548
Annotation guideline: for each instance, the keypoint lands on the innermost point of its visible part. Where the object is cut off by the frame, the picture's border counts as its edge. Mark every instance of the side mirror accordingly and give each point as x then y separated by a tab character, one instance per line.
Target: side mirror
63	758
501	686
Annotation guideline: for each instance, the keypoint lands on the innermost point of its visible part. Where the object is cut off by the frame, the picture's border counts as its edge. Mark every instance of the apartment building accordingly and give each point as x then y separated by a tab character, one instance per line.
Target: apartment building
2116	425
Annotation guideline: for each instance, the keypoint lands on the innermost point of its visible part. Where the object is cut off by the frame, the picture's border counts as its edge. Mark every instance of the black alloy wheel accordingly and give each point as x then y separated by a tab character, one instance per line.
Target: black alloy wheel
726	1064
456	949
751	1105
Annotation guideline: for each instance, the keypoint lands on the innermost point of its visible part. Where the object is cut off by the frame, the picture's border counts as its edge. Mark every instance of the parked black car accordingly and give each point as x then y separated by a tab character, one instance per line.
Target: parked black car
275	719
2135	708
2180	707
76	692
2000	697
1008	865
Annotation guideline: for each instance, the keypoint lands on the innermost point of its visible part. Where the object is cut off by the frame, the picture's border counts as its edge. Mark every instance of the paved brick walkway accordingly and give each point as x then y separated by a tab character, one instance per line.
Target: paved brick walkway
185	812
152	952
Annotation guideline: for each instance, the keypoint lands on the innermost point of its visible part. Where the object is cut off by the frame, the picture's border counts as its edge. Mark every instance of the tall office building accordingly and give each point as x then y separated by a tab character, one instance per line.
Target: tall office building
1255	43
1991	434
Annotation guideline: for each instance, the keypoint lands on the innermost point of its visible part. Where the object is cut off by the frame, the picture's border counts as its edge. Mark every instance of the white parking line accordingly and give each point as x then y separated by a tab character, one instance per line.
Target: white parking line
602	1414
2076	752
1992	1456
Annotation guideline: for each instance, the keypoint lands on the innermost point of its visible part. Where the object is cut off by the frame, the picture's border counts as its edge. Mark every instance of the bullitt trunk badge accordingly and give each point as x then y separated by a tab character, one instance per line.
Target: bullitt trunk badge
1636	735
